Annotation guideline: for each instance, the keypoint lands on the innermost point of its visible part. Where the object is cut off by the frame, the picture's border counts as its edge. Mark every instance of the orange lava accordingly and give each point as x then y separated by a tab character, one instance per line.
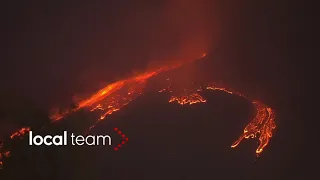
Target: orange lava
261	126
110	95
188	99
20	133
118	94
4	152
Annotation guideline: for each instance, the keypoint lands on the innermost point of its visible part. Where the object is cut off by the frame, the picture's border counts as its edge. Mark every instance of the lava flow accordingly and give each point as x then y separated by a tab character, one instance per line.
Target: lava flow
118	94
5	151
188	99
261	125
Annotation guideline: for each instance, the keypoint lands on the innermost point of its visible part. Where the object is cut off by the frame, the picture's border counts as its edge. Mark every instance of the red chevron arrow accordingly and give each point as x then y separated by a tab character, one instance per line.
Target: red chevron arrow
123	141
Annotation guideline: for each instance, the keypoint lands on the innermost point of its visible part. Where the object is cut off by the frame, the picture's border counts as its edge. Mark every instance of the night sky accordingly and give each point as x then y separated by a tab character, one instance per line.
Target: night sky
55	51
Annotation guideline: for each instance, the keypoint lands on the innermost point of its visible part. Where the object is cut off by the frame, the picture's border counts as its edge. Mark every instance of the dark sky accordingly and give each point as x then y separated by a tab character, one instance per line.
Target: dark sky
57	49
54	50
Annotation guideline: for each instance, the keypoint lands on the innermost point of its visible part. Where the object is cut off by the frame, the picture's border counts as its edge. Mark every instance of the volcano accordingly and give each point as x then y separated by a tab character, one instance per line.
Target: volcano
171	124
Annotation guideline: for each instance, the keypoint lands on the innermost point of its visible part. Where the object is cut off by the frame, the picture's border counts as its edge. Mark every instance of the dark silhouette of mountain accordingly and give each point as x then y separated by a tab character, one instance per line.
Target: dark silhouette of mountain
165	141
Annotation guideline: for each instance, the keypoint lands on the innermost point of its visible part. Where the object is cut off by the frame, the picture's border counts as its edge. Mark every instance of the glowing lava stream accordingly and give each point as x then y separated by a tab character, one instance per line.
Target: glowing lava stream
118	94
262	124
